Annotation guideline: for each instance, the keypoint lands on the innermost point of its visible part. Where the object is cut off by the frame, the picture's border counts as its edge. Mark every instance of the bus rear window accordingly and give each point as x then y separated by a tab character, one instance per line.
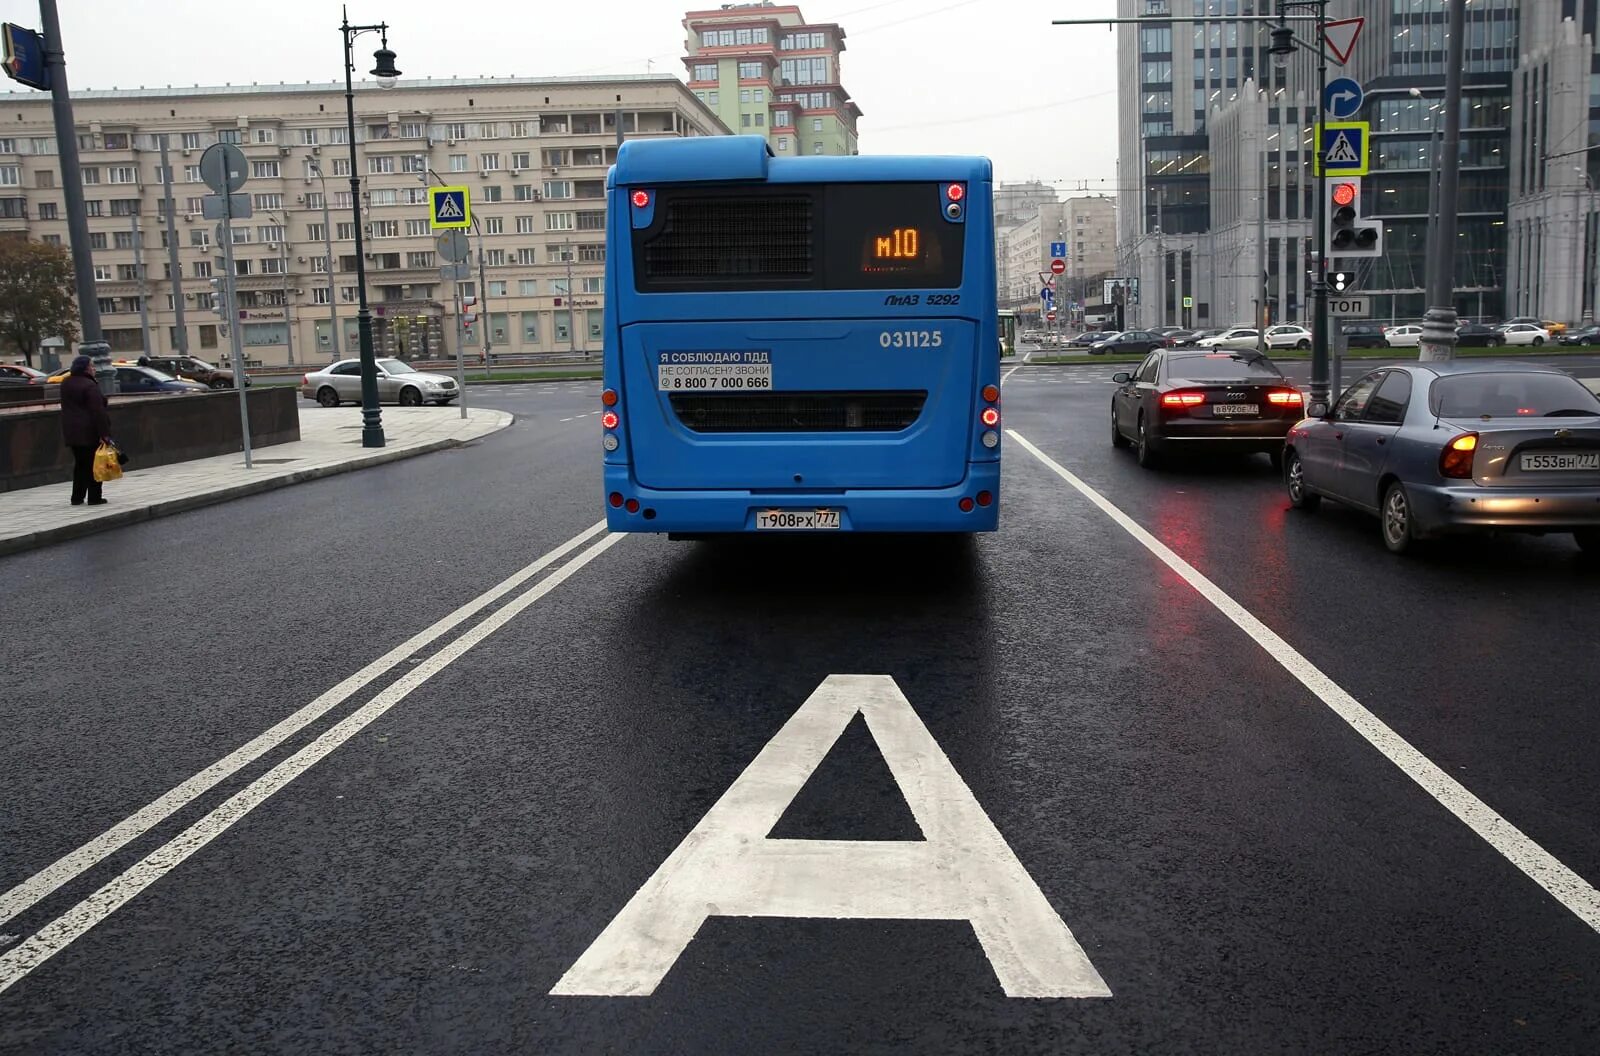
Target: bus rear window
857	236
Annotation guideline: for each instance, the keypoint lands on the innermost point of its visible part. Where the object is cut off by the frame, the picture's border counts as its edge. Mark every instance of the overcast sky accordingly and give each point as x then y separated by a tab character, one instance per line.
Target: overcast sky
989	77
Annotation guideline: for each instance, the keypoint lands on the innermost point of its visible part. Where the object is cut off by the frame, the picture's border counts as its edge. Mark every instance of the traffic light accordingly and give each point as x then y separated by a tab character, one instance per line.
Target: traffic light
219	297
1349	233
1341	281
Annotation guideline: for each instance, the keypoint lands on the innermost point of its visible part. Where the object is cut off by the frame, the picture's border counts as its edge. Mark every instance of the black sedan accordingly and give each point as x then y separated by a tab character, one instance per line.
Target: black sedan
1476	335
1581	335
148	381
1088	339
1197	401
1129	343
1364	335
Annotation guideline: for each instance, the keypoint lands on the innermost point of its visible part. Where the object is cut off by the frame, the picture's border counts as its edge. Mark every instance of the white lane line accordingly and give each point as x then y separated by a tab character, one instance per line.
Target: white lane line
1007	376
71	865
567	419
1564	885
54	937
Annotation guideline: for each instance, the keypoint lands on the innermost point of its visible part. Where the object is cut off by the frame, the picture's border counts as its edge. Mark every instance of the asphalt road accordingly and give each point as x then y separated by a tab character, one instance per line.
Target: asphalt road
426	851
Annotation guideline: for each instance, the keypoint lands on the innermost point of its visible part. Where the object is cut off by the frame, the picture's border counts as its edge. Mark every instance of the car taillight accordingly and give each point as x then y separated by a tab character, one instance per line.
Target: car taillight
1456	458
1285	396
1183	399
305	379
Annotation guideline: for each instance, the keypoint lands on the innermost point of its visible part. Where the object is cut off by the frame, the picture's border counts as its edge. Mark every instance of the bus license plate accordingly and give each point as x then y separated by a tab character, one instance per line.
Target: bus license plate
797	520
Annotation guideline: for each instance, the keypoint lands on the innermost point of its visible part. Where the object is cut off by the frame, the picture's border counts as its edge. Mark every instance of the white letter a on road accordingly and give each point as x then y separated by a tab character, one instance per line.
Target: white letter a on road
728	867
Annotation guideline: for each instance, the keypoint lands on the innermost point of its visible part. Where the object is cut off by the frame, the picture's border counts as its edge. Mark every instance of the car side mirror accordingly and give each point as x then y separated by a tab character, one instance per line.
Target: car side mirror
1122	377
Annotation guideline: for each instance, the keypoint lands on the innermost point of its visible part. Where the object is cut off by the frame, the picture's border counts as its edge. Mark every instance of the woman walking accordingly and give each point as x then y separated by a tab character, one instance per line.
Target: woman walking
84	424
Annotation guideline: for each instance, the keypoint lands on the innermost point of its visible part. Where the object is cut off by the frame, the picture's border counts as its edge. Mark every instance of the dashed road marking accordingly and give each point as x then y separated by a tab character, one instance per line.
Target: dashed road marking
1563	884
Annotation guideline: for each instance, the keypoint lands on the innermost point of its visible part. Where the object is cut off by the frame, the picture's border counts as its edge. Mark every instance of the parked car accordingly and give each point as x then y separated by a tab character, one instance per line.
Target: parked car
17	373
1525	334
1129	342
1203	402
1166	331
1583	335
1236	333
1553	328
1477	335
136	379
1402	336
1288	336
1185	337
398	382
196	370
1456	447
1090	338
1363	335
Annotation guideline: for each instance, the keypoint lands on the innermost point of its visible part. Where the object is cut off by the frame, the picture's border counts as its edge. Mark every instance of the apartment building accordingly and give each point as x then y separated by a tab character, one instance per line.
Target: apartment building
765	71
1087	226
532	151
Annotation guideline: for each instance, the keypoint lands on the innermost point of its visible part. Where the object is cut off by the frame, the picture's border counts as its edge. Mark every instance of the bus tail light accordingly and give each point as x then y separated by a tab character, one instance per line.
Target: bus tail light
615	500
641	199
955	192
1456	458
990	416
984	498
965	504
632	505
609	420
1183	399
991	438
609	397
991	393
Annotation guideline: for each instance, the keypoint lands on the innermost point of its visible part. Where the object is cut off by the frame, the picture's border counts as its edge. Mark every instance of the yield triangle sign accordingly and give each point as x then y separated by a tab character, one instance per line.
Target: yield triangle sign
1342	152
1341	37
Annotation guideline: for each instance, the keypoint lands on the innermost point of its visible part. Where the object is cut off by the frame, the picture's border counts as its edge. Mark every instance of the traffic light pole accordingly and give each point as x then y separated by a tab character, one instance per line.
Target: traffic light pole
1319	284
1439	325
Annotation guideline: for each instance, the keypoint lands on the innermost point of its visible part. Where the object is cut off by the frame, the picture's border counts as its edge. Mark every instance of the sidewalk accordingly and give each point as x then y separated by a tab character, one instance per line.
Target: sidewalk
330	443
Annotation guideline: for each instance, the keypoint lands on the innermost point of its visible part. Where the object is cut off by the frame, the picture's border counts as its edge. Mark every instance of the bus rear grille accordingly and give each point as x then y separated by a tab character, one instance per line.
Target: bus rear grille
722	238
799	412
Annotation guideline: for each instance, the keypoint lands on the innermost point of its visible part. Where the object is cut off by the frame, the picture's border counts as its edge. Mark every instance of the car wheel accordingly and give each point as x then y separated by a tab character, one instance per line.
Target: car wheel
1294	479
1302	344
1145	452
1538	341
1117	439
218	383
410	396
327	396
1395	519
1588	540
1495	342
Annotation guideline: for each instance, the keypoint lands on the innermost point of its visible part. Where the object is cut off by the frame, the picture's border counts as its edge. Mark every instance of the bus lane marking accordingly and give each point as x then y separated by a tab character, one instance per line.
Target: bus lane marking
1539	865
17	963
727	865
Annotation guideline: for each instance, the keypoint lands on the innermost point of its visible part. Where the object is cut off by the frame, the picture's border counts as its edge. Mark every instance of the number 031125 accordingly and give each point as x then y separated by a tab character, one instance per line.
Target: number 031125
911	338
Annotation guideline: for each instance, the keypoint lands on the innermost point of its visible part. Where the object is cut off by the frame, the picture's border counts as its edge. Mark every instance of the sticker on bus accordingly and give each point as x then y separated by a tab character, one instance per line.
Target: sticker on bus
714	371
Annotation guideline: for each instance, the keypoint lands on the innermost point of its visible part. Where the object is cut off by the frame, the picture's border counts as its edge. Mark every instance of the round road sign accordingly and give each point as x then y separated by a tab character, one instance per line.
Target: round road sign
224	168
452	245
1057	266
1050	316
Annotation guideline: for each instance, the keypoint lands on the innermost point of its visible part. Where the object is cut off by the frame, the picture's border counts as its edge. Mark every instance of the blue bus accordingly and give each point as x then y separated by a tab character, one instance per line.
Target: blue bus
799	344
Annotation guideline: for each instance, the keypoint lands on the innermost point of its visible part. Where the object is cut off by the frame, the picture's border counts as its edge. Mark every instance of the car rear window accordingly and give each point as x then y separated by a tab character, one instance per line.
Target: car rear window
1223	368
1510	394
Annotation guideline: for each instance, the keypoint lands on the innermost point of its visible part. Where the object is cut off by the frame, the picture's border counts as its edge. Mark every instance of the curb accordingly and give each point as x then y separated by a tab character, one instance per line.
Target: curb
63	533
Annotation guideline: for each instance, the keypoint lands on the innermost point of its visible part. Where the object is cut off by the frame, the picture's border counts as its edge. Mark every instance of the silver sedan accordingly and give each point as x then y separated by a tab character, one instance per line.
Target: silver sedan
1456	447
398	382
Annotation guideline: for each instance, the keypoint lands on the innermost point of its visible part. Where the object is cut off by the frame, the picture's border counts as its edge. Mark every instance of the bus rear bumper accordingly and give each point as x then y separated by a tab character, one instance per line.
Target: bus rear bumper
865	510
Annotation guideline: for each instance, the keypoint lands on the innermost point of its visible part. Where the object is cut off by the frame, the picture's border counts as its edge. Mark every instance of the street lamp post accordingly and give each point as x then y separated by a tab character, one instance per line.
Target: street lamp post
385	72
1439	324
1580	235
327	263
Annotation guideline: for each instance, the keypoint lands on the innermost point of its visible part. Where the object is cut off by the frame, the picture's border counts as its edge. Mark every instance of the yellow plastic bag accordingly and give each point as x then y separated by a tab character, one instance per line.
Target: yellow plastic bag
106	466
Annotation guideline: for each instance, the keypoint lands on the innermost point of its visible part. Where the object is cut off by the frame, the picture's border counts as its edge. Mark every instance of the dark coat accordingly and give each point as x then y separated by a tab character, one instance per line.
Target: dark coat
83	411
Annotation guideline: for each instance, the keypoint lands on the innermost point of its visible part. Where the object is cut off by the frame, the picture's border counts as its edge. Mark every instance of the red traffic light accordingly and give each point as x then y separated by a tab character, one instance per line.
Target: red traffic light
1344	193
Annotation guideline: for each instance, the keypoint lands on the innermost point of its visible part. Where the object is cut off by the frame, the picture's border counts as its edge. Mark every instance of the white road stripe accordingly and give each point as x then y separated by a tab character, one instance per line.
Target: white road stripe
1566	886
54	937
71	865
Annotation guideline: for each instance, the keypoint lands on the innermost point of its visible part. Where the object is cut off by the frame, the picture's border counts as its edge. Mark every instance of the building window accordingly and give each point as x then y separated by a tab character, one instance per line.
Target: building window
417	227
269	201
345	231
230	135
558	221
490	162
458	163
704	72
558	188
270	233
191	141
122	174
530	328
124	207
421	259
744	120
783	144
593	284
761	120
519	129
308	137
782	119
380	163
592	253
816	148
592	220
711	98
47	211
102	273
91	175
494	258
525	225
93	208
497	288
527	255
241	267
265	170
455	130
386	229
378	131
319	295
202	269
198	236
272	266
519	159
528	288
749	70
494	225
558	254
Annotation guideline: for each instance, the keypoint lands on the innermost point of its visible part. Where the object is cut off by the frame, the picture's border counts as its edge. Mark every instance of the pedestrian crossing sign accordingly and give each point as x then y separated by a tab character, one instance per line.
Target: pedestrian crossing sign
1342	148
449	207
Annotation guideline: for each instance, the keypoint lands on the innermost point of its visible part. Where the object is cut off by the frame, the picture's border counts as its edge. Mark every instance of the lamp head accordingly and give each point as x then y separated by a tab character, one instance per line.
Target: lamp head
384	71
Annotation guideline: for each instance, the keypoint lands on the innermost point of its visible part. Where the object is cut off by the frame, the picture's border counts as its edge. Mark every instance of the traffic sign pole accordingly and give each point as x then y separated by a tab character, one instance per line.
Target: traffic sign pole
235	338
